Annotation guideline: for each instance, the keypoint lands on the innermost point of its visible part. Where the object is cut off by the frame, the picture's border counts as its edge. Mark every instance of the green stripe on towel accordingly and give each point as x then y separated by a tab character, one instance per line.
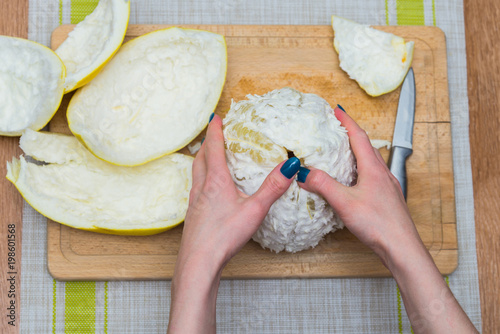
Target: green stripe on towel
105	307
60	11
387	12
410	12
80	297
79	311
400	317
433	12
81	8
54	307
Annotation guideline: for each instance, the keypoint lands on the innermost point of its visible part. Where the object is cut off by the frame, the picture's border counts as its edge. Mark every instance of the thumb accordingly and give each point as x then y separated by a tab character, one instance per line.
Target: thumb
277	182
319	182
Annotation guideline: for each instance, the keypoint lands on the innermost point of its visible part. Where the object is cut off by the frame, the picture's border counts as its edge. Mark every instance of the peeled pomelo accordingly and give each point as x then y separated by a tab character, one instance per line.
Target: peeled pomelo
153	98
77	189
377	60
31	85
93	42
262	131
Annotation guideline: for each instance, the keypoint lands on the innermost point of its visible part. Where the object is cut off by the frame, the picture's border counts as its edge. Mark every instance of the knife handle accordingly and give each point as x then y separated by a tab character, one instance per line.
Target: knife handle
397	165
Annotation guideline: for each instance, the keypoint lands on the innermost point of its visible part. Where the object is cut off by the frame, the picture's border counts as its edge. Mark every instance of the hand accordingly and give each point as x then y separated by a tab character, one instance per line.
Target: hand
219	222
374	210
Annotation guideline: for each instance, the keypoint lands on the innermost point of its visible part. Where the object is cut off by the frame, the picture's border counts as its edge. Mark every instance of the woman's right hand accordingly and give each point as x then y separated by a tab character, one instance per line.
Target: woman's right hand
374	210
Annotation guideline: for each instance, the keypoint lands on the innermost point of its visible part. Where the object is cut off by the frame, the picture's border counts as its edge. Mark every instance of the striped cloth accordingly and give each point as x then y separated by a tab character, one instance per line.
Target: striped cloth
255	306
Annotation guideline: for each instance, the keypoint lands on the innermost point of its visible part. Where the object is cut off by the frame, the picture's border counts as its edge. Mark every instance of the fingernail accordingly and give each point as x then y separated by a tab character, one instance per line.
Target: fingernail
211	117
302	176
202	140
340	107
290	167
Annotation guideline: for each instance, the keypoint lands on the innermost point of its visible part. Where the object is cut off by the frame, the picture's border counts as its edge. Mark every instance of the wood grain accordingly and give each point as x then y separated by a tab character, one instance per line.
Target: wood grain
482	28
13	22
263	58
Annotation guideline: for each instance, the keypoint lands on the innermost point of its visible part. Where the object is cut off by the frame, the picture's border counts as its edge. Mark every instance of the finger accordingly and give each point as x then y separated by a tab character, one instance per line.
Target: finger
319	182
199	173
276	183
215	156
379	156
391	176
384	164
199	165
360	143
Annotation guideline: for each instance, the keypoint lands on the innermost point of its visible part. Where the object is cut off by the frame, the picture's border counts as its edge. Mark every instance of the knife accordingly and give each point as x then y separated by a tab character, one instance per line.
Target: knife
402	141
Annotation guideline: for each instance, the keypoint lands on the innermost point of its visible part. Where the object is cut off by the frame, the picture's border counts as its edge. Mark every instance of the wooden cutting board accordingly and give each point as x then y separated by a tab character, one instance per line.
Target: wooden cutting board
261	59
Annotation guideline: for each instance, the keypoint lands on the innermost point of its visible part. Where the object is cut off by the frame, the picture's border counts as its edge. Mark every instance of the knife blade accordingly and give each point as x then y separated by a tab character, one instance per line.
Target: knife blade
402	141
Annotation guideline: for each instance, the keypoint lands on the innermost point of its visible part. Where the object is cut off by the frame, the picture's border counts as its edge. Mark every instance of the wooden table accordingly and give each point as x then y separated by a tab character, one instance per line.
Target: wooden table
13	22
483	70
481	27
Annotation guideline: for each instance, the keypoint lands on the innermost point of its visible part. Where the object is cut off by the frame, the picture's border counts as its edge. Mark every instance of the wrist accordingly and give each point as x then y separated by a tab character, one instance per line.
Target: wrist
409	259
194	294
197	270
400	245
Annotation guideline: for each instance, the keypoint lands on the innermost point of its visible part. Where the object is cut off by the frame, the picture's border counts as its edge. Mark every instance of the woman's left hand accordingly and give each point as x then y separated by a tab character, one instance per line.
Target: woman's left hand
219	222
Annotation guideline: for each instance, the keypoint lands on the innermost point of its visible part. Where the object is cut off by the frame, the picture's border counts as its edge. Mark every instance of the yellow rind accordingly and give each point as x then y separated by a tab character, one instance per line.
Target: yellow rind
127	232
39	211
63	75
186	142
138	232
94	73
397	86
362	87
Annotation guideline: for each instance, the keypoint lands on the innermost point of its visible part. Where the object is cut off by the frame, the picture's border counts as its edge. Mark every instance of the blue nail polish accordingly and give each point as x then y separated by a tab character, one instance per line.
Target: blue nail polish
340	107
211	117
290	167
202	140
303	172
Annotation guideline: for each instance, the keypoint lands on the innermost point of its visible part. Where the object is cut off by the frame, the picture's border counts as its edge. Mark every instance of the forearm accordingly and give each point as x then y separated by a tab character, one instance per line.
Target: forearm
430	305
194	294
